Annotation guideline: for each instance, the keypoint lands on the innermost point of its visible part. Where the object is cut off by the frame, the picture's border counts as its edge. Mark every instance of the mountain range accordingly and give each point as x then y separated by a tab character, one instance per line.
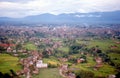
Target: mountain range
94	17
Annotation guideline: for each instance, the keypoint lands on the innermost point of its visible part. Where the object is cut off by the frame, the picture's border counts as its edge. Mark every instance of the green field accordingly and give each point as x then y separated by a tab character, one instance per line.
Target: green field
115	58
103	71
48	73
102	44
8	62
64	49
30	46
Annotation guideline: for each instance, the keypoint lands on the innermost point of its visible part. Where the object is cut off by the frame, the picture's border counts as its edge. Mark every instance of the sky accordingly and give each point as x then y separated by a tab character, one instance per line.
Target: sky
23	8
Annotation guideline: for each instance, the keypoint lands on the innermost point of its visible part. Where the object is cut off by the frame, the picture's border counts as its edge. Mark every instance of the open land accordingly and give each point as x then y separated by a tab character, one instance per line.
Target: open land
60	51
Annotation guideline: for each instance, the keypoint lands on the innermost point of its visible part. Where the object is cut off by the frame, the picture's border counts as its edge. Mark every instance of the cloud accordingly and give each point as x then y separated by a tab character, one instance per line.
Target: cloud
14	0
22	8
90	15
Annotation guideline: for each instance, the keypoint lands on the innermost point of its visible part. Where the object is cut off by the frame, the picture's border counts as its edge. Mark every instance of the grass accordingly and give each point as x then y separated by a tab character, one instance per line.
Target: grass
103	71
103	44
51	60
64	49
8	62
30	46
48	73
115	57
86	66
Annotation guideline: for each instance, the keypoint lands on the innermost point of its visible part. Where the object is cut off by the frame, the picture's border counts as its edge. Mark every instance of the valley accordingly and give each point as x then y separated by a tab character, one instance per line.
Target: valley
63	51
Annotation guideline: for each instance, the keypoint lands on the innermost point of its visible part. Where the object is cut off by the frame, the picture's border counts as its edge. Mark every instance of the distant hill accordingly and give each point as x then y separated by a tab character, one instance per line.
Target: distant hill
95	17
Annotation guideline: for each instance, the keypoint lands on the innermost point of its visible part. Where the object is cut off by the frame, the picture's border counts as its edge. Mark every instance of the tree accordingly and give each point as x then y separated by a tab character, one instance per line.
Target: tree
45	54
74	49
118	75
18	46
2	49
84	74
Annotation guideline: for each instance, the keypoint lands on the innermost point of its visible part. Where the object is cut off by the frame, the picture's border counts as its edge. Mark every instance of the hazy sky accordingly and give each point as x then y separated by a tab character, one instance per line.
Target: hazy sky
22	8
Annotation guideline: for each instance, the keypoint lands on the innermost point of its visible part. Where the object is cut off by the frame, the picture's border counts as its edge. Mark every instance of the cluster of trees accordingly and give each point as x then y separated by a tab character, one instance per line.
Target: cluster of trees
11	75
75	48
84	74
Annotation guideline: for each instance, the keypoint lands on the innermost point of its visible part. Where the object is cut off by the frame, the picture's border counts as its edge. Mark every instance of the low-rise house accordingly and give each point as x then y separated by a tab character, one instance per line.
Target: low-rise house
80	60
113	47
35	72
71	75
112	76
63	59
5	46
40	64
64	67
14	51
20	51
15	54
98	63
98	60
9	49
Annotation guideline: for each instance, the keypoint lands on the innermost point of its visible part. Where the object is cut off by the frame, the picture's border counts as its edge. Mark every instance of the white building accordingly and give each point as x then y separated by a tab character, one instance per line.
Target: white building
40	64
112	76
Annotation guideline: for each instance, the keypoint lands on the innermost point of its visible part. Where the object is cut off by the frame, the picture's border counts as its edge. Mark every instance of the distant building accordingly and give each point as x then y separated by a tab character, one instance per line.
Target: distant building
64	67
80	60
112	76
71	75
9	49
40	64
98	60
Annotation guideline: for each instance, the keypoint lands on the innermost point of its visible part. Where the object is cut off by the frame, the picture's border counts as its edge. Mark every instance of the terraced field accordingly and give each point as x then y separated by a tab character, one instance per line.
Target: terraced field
8	62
